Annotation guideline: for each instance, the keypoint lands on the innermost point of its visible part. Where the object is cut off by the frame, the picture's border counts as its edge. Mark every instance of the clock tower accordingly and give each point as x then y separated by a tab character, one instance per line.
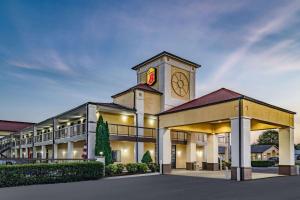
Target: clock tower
171	75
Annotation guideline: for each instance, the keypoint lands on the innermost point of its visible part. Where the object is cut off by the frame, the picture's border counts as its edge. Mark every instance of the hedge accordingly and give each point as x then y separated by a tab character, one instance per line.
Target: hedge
262	163
29	174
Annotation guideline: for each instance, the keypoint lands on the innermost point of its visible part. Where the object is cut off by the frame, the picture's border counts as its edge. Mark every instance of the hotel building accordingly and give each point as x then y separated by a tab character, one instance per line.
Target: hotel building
161	115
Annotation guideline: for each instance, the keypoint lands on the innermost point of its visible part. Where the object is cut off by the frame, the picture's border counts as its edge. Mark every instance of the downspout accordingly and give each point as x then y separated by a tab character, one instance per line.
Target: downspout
87	130
157	141
240	135
136	128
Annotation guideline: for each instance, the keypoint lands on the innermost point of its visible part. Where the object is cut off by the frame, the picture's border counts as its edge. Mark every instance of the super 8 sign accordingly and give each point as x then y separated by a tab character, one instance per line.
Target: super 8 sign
151	76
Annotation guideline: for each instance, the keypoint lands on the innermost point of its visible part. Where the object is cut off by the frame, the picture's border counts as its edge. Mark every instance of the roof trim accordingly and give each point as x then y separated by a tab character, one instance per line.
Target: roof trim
229	100
165	53
110	105
135	88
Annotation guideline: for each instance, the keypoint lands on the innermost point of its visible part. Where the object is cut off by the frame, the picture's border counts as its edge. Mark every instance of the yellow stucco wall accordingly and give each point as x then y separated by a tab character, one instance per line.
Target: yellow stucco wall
180	156
117	118
267	114
126	99
4	133
127	150
198	115
151	103
151	148
62	151
78	149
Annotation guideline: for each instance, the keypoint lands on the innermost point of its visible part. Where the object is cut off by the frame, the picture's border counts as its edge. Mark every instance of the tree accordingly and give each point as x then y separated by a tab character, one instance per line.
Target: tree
102	141
269	137
147	158
297	146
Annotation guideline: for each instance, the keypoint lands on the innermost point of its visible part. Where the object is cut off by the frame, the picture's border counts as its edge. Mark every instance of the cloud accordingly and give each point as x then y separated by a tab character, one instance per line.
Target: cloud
271	23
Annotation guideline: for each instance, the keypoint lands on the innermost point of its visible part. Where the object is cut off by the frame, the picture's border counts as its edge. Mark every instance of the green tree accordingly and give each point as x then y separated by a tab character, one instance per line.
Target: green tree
297	146
147	158
268	137
102	141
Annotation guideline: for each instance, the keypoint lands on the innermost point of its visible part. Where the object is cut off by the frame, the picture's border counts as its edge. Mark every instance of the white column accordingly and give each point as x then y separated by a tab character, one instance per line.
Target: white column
34	152
212	152
44	152
21	153
55	151
286	151
91	126
243	171
139	121
70	150
165	145
191	151
26	153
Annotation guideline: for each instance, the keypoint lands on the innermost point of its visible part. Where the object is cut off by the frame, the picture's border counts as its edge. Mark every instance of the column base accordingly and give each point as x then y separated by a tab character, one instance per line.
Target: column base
166	168
190	166
288	170
212	166
246	173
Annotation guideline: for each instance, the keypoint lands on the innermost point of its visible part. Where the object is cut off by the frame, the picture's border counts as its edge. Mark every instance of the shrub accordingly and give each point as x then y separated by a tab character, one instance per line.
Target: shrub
147	158
120	168
153	167
142	168
29	174
262	163
132	168
111	170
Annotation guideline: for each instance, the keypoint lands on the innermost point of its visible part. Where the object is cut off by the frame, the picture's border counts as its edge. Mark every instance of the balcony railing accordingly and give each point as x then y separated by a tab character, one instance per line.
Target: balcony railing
131	131
223	140
179	136
71	131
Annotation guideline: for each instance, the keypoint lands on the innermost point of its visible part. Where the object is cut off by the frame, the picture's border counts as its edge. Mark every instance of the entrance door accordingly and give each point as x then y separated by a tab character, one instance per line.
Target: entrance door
173	157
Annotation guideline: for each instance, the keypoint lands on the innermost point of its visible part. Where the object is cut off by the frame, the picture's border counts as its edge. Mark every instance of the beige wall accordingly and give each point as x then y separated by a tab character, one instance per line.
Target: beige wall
117	118
180	156
151	148
199	154
4	133
127	150
78	149
126	99
152	103
62	151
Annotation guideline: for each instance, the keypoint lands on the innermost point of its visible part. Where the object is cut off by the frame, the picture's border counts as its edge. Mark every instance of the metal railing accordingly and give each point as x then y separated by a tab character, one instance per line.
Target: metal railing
10	161
179	136
131	131
70	131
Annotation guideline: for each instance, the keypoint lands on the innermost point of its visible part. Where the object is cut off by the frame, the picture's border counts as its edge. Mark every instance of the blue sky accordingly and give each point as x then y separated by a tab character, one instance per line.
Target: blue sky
55	55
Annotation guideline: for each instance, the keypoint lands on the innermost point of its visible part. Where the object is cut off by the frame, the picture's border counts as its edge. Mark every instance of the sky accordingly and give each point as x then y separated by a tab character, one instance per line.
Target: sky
57	54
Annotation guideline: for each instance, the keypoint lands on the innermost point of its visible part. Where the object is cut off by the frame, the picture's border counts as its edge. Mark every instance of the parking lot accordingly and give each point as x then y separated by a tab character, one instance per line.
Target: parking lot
161	187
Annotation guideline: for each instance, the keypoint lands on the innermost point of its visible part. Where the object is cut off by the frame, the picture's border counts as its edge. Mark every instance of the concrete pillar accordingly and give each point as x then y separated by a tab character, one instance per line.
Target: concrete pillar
55	151
91	130
34	152
191	151
241	158
21	153
165	145
26	153
139	121
44	152
286	152
212	152
70	154
204	162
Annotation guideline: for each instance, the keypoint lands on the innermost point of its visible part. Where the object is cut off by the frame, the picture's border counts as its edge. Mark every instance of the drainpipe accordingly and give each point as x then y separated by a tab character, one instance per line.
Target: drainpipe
240	137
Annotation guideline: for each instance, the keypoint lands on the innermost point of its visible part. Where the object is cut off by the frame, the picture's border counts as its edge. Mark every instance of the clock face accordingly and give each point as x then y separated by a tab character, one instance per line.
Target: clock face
180	84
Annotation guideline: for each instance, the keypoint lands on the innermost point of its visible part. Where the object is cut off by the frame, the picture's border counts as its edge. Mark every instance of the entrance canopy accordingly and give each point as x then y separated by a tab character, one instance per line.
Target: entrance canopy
212	113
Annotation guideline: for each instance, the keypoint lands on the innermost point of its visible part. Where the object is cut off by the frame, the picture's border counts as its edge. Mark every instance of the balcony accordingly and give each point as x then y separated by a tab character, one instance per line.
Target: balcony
70	131
179	137
129	133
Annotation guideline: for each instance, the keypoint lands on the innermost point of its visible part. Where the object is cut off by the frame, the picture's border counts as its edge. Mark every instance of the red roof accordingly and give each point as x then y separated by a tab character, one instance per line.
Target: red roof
141	86
13	126
219	96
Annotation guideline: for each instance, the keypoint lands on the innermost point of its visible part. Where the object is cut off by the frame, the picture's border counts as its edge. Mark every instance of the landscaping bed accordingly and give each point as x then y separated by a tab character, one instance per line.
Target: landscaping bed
30	174
130	169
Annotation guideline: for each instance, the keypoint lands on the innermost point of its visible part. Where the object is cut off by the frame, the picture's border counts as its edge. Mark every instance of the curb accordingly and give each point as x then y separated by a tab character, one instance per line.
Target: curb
132	176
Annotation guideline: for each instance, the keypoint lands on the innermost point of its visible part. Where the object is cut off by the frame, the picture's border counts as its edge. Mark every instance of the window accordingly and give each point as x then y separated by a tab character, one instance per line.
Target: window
116	155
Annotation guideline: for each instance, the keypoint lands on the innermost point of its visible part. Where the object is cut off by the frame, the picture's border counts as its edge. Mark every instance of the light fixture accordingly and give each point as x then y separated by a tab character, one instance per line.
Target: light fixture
151	152
124	118
178	153
125	150
151	121
74	152
68	123
97	115
81	119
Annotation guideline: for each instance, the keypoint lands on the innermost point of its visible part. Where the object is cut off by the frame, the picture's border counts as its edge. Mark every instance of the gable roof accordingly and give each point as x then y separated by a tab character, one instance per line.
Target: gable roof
219	96
141	86
260	148
165	53
13	126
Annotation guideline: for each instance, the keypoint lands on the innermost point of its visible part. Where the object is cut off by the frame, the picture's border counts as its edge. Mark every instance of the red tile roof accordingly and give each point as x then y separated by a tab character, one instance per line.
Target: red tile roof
219	96
13	126
141	86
